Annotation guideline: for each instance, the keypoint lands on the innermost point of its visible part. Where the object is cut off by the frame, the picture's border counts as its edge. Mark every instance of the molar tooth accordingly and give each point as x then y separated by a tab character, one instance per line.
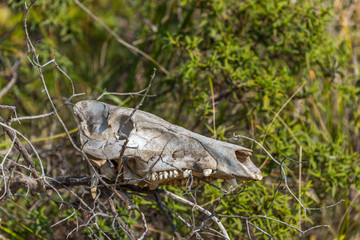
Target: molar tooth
171	174
161	175
187	173
207	172
154	176
166	175
176	174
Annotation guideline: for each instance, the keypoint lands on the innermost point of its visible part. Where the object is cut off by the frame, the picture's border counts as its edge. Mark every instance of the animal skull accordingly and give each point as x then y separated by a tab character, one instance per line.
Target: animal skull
148	149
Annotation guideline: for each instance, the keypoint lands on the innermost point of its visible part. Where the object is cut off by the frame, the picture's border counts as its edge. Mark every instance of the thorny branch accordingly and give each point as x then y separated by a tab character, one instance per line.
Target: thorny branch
28	173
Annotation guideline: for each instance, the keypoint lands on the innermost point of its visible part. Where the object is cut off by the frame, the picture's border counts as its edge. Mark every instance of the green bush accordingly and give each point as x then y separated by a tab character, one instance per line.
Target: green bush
233	65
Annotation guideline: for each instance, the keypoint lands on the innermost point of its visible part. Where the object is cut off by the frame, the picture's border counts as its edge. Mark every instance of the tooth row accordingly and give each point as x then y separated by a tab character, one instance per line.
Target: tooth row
174	174
164	175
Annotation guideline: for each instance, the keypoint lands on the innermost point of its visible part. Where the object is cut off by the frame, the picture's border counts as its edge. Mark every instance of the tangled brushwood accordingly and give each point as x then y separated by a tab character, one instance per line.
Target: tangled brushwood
123	166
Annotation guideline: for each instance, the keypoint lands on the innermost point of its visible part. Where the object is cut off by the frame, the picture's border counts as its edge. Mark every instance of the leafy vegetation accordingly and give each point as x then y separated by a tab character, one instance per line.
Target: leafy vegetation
282	72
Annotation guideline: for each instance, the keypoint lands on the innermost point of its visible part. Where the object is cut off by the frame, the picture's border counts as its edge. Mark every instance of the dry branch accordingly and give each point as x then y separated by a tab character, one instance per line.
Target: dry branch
13	79
119	39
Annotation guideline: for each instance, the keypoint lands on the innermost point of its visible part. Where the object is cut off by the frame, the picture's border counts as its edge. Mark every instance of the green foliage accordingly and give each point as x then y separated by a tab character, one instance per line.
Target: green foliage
25	222
253	55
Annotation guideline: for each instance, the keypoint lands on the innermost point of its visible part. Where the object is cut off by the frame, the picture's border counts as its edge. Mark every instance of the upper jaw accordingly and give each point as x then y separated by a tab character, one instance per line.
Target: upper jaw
184	177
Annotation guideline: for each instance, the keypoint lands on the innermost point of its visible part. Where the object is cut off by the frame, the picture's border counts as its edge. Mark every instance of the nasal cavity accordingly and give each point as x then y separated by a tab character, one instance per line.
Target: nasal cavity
241	156
125	127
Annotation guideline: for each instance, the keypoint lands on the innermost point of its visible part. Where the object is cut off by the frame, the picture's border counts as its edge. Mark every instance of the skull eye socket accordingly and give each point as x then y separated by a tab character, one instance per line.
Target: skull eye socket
241	156
125	129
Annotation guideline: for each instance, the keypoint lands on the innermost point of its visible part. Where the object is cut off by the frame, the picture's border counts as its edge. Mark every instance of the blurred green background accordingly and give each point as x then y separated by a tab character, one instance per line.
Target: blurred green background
231	67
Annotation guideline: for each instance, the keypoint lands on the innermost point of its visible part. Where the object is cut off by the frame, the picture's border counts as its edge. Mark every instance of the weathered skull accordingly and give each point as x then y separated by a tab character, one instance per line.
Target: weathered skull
148	149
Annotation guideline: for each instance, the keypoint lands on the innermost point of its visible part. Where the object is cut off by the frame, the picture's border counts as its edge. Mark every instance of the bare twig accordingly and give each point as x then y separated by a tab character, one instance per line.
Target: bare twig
21	148
132	94
120	133
283	106
12	80
284	177
36	116
161	206
121	223
119	39
199	208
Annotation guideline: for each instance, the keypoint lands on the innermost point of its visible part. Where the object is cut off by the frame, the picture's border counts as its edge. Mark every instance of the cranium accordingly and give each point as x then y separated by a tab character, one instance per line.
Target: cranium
150	150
